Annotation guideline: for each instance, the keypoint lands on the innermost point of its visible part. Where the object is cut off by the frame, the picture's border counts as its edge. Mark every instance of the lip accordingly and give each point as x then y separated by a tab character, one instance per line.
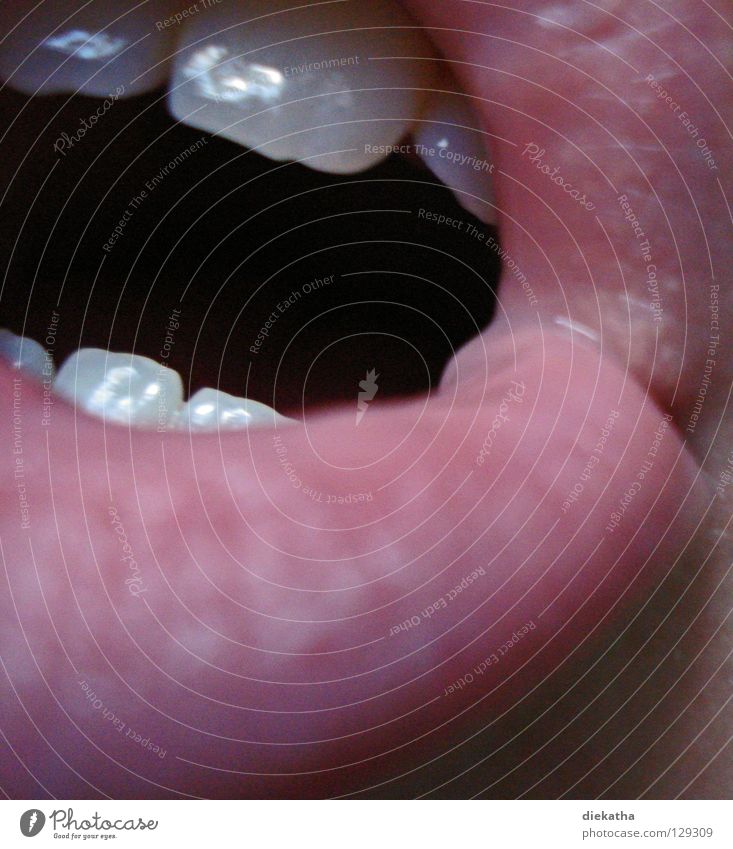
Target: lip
257	633
251	635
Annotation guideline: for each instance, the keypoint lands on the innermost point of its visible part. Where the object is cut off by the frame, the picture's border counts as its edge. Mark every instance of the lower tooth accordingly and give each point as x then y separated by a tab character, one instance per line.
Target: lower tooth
123	388
450	142
26	354
134	390
211	409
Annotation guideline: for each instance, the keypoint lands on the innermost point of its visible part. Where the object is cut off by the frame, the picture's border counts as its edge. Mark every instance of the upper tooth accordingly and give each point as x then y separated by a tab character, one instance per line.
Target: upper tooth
211	409
24	353
450	142
95	48
82	44
124	388
306	83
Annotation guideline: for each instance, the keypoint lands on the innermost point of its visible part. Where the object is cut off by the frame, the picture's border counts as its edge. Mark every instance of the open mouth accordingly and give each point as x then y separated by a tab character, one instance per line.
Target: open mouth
298	507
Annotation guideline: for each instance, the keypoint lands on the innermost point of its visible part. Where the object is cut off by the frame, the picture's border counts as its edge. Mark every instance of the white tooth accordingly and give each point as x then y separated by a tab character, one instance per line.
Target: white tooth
98	49
211	409
24	353
123	388
272	77
450	142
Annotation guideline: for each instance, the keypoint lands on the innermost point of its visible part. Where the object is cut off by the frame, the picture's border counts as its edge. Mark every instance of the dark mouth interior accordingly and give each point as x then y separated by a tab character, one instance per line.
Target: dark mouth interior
226	237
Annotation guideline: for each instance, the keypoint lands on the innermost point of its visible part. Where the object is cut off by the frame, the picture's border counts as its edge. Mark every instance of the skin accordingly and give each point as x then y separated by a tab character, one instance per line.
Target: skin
251	639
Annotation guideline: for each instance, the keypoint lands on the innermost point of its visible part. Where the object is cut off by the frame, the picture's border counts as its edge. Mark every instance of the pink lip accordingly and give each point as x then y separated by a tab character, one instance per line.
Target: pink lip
288	647
217	605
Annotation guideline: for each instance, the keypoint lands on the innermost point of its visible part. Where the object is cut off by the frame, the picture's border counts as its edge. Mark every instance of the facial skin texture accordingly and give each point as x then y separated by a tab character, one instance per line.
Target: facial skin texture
247	633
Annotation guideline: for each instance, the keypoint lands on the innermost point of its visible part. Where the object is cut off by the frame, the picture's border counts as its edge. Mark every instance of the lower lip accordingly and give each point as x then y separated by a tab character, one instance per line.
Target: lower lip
287	644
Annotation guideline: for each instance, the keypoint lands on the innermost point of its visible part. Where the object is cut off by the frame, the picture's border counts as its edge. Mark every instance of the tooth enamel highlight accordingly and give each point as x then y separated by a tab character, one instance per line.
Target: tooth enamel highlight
26	354
211	409
275	80
94	48
449	141
123	388
85	45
